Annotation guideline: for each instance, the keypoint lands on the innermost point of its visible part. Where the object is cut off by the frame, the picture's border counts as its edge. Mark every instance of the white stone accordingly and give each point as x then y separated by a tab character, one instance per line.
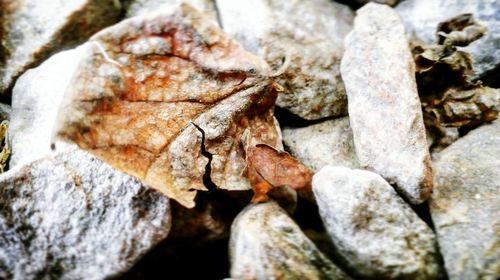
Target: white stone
375	233
35	102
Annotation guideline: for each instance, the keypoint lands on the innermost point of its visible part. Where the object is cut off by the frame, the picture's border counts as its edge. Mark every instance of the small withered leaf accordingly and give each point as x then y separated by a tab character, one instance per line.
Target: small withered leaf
166	97
269	168
460	31
450	98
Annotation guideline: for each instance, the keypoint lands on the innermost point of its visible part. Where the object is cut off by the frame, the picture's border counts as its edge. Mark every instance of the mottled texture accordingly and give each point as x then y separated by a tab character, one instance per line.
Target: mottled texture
163	95
362	2
32	30
74	217
35	101
267	244
5	111
384	108
326	143
139	7
304	38
376	234
421	18
465	204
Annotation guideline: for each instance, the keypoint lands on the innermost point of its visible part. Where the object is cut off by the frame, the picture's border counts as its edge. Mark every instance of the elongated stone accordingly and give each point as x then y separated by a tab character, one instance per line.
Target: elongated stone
32	30
305	39
267	244
465	204
384	107
75	217
376	234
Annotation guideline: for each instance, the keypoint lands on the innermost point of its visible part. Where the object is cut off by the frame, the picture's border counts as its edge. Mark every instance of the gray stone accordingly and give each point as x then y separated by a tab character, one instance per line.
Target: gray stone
362	2
267	244
326	143
421	18
32	30
384	107
5	112
74	217
465	204
139	7
374	231
35	101
304	39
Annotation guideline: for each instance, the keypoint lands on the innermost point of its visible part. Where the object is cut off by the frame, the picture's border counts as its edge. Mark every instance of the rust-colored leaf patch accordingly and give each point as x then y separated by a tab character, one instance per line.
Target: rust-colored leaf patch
172	100
269	168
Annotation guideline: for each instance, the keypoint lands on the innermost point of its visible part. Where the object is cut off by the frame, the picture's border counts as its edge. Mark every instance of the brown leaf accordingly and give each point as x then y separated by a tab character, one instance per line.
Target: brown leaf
460	31
172	100
269	168
450	99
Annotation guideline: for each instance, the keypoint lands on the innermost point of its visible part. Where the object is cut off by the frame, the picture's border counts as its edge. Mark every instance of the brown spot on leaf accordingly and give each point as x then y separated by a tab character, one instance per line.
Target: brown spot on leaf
269	168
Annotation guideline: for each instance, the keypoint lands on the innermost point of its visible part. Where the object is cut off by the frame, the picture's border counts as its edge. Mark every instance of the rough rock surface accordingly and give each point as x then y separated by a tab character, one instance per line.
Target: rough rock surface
375	232
139	7
465	204
33	29
362	2
326	143
74	217
384	107
267	244
35	100
305	38
421	18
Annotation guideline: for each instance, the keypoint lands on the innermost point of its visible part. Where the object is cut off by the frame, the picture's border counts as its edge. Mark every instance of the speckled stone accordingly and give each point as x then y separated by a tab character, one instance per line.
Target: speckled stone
305	38
33	30
326	143
74	217
465	204
384	108
375	233
267	244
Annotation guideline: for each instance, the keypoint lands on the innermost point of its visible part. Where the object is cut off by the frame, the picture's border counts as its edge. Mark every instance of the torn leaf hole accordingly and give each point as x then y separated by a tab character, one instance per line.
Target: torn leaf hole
207	179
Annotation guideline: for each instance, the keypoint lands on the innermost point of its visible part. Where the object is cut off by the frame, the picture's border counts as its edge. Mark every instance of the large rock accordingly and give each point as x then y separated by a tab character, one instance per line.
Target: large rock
267	244
384	107
421	18
74	217
376	234
305	38
35	101
32	30
465	204
326	143
139	7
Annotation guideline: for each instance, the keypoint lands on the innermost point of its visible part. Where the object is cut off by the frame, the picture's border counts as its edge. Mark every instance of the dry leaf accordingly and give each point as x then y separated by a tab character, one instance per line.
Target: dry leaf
269	168
460	31
167	98
450	99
